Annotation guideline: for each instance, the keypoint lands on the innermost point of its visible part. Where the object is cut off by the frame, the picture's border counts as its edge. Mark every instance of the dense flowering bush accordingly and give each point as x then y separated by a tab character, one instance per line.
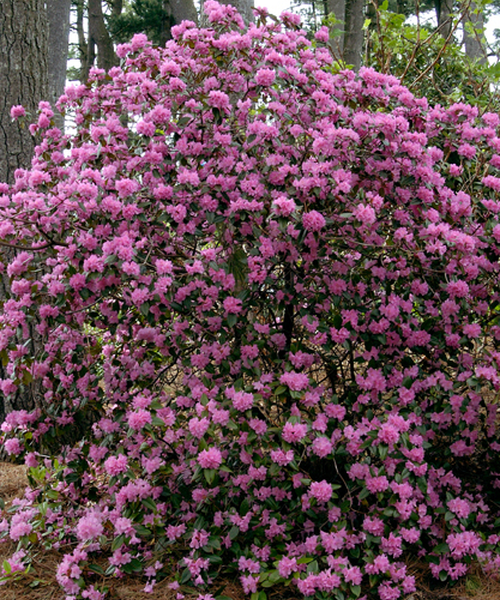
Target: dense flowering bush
269	303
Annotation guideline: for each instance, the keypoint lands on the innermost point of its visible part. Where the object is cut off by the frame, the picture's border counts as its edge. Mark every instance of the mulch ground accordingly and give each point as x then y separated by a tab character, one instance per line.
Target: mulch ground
40	583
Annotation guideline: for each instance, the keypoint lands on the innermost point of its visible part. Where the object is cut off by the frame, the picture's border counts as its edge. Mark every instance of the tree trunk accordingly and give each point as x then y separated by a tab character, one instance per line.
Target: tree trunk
474	47
444	10
98	40
23	77
337	7
183	10
58	20
244	7
23	80
353	38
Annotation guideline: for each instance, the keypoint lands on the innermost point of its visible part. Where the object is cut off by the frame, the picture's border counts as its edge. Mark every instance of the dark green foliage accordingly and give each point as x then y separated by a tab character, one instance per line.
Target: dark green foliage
152	17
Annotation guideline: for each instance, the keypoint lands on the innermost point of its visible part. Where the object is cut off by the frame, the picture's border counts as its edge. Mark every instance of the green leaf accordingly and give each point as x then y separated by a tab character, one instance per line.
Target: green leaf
96	569
383	451
313	567
441	549
141	530
209	475
118	542
6	567
149	503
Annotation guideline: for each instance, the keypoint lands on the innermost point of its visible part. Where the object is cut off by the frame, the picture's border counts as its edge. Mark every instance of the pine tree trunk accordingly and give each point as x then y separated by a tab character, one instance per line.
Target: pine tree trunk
23	77
183	10
474	48
100	43
23	80
444	10
353	39
58	21
244	7
337	7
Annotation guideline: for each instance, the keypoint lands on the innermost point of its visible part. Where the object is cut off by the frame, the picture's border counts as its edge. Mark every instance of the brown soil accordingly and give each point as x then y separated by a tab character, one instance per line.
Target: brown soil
40	582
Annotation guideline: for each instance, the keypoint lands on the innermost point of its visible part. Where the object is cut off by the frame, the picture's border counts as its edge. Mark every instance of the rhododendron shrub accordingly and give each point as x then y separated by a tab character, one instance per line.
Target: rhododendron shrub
268	296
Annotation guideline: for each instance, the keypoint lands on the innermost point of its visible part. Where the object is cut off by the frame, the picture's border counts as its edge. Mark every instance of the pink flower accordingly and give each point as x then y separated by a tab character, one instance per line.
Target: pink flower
210	458
295	381
294	432
89	527
242	401
322	447
353	575
388	434
127	187
198	427
13	446
258	426
284	206
321	490
365	214
232	305
219	100
460	507
17	111
313	221
287	566
116	464
265	77
459	289
138	419
282	458
377	484
472	330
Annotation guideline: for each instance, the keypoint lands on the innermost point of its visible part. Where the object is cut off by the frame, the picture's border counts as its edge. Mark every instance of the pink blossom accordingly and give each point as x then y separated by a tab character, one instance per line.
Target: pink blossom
17	111
282	458
472	330
322	447
232	305
265	77
126	187
287	566
115	465
284	206
210	458
313	221
243	401
89	527
377	484
218	99
198	427
365	214
321	490
13	446
388	434
295	381
138	419
294	432
460	507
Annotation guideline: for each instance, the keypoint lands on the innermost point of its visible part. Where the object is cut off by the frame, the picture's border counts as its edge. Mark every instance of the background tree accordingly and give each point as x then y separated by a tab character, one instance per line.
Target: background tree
23	77
24	80
460	22
58	13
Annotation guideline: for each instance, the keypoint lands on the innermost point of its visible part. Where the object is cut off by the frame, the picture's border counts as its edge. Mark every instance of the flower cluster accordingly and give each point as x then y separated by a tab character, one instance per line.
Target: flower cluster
267	308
